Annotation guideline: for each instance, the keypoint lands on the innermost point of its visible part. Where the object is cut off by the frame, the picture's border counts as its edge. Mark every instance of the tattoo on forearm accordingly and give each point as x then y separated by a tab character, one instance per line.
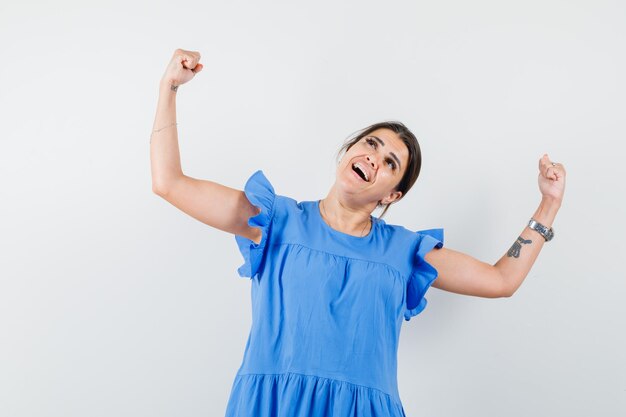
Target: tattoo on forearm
517	246
174	87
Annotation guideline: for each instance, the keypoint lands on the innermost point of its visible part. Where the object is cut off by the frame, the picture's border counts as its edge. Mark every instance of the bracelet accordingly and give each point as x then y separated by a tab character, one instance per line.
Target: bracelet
547	233
158	130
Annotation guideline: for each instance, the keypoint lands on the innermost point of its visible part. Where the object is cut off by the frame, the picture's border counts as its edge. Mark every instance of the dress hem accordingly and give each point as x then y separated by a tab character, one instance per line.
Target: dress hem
381	392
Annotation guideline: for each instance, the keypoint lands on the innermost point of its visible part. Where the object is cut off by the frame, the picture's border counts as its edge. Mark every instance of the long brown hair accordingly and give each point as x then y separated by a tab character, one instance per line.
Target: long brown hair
415	155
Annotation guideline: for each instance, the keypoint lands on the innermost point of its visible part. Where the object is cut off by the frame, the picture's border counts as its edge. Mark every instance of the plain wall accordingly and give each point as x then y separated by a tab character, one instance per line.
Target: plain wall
115	303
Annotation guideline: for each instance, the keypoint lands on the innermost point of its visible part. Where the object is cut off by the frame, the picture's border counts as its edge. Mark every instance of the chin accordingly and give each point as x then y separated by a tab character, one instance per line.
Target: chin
346	181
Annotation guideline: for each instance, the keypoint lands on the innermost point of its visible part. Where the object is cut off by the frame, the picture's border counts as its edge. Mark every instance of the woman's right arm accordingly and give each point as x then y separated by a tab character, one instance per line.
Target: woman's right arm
216	205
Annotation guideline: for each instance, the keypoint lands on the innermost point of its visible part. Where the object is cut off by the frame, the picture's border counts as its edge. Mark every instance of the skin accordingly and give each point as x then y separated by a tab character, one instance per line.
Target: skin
349	202
463	274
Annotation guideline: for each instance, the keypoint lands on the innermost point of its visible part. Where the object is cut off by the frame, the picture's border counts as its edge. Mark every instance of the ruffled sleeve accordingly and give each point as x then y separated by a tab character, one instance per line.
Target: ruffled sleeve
423	273
260	193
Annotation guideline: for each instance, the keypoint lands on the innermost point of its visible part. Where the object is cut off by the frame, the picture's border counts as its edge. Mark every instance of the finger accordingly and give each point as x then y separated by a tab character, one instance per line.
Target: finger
197	68
181	61
544	164
543	161
547	169
195	58
189	62
559	171
555	173
551	170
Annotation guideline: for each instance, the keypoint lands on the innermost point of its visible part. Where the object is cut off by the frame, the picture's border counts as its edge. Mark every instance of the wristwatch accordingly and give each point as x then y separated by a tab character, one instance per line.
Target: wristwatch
547	234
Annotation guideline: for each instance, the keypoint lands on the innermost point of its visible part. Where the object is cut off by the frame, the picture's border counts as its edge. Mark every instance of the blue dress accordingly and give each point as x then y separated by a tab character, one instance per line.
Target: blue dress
327	308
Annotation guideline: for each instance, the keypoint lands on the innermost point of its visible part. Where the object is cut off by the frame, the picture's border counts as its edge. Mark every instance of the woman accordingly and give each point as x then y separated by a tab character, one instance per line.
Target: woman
331	284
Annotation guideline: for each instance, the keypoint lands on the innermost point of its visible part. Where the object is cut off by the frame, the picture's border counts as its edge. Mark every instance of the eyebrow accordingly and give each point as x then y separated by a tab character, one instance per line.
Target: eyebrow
392	154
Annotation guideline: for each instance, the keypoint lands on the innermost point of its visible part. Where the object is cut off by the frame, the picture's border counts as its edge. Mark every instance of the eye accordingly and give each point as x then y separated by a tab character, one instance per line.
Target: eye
371	142
391	163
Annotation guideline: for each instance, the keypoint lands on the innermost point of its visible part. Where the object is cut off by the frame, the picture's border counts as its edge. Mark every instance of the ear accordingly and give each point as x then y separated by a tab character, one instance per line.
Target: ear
394	196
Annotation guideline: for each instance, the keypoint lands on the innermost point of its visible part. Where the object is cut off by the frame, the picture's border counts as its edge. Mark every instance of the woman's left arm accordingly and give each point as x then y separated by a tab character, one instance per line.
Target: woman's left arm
463	274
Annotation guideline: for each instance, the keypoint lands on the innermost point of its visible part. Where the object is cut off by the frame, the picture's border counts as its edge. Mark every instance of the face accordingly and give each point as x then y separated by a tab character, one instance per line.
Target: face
371	169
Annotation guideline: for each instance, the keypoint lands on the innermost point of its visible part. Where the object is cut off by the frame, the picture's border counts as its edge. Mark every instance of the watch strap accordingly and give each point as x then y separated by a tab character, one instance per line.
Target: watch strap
547	233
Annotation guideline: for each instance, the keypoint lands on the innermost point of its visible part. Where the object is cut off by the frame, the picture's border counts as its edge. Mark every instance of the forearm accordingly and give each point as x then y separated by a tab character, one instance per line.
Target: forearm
517	262
164	151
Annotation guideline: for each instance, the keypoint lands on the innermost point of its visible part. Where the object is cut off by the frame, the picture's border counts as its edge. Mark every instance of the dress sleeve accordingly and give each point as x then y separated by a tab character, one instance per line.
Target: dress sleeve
260	193
423	273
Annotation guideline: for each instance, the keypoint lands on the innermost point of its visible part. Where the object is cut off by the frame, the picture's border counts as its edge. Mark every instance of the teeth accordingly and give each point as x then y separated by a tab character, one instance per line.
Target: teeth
360	167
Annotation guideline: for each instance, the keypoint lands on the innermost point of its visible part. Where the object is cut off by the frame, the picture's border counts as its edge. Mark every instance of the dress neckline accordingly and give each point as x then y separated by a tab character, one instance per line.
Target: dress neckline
367	237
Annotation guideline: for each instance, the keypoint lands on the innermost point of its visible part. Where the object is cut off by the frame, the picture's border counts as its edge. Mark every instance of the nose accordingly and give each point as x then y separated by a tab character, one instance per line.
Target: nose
372	161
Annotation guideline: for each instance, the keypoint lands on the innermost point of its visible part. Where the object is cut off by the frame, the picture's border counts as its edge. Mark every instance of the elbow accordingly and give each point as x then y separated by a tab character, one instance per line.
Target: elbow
507	294
159	189
162	185
507	291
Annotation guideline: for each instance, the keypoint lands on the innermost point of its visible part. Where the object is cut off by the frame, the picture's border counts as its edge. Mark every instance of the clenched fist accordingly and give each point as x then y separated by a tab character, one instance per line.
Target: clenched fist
181	68
551	179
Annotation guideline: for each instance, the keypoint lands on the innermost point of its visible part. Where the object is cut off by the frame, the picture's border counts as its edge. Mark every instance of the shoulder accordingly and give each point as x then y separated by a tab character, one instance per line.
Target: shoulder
260	190
418	242
398	233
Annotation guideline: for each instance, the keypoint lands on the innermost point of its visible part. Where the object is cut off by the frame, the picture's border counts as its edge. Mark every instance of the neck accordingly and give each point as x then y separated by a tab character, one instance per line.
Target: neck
342	217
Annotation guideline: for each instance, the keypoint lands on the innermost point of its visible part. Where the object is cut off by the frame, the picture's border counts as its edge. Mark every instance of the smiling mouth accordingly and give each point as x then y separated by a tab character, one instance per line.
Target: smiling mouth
360	172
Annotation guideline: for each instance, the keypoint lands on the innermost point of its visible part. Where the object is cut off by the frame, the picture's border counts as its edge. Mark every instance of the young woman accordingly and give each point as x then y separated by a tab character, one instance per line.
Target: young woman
331	284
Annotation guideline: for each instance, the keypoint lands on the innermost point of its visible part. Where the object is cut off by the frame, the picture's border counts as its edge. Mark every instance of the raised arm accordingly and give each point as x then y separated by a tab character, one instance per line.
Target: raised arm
462	274
214	204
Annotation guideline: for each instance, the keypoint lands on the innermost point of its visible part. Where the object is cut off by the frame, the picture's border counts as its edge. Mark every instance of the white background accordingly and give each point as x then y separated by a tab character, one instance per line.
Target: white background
115	303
